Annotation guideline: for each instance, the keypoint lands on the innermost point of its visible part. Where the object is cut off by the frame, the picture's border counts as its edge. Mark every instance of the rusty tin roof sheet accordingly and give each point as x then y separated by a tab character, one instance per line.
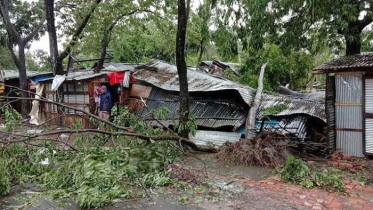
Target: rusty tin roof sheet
351	62
164	76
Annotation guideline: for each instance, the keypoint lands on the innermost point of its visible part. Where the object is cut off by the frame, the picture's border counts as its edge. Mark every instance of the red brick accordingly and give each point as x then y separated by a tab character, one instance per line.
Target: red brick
307	204
368	189
358	187
368	207
355	199
353	182
347	182
335	204
357	207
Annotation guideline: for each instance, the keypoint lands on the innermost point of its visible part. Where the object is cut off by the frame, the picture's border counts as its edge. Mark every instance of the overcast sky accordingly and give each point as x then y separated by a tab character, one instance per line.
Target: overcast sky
43	43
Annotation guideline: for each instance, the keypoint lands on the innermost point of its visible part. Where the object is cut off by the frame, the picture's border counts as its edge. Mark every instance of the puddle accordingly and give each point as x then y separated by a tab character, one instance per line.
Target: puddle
213	165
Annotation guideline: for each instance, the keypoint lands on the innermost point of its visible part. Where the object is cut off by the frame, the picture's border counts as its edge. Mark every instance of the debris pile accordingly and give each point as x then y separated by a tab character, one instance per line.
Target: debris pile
268	150
187	175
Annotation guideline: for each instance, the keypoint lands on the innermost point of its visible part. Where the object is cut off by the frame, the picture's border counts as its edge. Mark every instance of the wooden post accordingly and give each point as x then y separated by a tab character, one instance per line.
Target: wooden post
251	117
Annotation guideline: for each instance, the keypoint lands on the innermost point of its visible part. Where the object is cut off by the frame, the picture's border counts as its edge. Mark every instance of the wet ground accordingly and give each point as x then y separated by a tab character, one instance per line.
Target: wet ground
220	194
214	166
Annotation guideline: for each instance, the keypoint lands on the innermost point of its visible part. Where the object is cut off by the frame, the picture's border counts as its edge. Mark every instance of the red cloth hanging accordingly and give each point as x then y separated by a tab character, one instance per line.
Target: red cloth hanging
116	77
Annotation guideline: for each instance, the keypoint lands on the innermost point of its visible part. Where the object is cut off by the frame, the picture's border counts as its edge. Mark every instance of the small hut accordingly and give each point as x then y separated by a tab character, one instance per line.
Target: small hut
349	103
78	91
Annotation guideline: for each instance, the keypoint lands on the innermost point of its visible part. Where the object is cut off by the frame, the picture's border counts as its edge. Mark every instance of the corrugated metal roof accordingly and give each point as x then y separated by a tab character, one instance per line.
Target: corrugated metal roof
208	112
78	75
292	106
364	60
82	75
217	138
120	66
164	76
14	74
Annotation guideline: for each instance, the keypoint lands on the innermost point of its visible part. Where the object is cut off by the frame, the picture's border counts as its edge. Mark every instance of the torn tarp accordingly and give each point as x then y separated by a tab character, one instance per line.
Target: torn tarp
57	82
34	114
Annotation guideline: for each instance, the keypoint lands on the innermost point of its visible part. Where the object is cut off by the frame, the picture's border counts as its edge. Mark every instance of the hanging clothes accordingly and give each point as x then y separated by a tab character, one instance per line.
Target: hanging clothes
116	77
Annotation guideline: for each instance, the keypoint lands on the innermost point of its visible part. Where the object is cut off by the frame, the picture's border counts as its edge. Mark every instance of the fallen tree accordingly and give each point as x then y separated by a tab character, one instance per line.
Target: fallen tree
127	131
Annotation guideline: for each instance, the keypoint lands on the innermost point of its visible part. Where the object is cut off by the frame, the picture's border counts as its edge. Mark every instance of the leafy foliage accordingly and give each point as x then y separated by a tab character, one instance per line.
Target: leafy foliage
12	117
274	110
294	68
97	174
4	179
296	171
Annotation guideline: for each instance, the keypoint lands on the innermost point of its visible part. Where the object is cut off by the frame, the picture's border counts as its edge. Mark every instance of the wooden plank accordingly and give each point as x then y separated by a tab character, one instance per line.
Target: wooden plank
349	72
349	129
348	104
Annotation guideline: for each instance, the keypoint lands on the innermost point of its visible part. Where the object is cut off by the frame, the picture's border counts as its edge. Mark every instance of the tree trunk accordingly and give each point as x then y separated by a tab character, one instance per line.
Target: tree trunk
22	78
75	38
49	7
353	44
251	118
200	53
181	66
105	43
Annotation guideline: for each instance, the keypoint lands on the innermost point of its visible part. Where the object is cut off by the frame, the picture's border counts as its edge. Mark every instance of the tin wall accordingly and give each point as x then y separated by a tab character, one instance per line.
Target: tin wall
348	113
369	119
330	110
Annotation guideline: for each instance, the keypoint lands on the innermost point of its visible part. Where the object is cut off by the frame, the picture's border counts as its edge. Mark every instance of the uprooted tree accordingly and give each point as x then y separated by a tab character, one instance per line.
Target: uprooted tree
251	117
119	159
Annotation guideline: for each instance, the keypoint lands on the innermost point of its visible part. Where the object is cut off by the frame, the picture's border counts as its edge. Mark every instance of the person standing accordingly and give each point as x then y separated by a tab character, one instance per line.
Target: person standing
105	103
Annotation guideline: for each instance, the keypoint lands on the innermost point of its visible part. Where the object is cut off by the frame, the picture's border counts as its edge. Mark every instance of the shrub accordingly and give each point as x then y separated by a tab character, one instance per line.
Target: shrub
297	172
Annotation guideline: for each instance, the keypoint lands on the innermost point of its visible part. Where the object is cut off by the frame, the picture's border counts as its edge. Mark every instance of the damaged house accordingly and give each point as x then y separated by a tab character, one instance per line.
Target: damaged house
349	103
11	78
220	106
218	68
79	90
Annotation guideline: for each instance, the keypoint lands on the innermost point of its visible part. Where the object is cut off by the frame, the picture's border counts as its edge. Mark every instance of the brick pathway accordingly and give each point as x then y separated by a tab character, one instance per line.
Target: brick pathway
357	196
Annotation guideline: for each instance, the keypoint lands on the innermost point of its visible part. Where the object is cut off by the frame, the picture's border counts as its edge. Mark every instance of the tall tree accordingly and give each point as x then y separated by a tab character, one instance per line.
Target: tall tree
19	36
77	30
181	65
53	45
301	24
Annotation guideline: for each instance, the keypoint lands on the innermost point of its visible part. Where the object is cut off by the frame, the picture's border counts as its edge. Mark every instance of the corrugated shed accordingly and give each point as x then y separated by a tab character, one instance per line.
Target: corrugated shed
353	62
164	76
208	112
293	106
348	112
14	74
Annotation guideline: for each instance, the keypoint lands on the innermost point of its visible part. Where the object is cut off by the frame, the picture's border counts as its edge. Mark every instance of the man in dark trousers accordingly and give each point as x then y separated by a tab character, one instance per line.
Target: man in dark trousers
105	103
